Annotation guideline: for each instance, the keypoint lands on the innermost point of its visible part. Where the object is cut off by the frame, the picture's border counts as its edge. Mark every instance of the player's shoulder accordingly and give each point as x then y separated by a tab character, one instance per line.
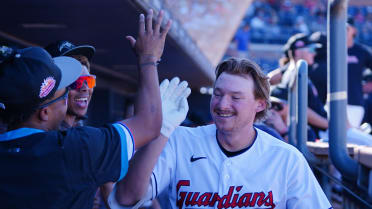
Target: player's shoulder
199	130
362	47
272	144
193	134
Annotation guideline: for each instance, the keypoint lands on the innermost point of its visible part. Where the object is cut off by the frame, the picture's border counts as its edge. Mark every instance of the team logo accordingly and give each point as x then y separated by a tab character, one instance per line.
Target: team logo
299	44
65	45
352	59
233	199
193	159
47	86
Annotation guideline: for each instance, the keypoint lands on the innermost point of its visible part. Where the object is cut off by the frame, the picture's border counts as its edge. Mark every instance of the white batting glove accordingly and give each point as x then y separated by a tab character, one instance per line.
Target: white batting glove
174	103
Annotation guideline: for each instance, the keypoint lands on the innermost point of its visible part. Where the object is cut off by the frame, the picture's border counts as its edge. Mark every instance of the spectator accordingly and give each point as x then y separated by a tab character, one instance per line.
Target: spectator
300	47
359	59
242	38
301	26
318	72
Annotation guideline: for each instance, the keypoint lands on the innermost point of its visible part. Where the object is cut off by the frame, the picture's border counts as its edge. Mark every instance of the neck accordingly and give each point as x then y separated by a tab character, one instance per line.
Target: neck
70	119
350	43
234	141
31	124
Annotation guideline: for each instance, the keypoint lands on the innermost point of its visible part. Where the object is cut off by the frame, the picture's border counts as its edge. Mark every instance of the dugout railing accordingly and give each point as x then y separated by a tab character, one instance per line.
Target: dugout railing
353	162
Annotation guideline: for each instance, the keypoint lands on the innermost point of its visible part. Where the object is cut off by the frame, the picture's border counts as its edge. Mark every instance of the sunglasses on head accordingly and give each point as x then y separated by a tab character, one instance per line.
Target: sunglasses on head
63	96
90	80
276	106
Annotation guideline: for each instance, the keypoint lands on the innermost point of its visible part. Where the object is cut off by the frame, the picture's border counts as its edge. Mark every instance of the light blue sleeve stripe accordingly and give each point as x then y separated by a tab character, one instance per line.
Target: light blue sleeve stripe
132	138
124	148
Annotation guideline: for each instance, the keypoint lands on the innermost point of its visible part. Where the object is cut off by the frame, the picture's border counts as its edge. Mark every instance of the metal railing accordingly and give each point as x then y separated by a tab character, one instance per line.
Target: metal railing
298	100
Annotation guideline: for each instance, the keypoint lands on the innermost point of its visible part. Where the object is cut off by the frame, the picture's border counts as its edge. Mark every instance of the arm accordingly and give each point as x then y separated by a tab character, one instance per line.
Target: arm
275	76
146	122
315	119
134	186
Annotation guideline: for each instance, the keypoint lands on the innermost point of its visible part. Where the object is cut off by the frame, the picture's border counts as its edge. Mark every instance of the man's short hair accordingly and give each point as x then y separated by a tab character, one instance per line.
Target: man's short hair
242	67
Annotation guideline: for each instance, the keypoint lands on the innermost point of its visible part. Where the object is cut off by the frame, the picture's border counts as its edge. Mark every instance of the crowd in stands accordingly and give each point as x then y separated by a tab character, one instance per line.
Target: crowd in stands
274	21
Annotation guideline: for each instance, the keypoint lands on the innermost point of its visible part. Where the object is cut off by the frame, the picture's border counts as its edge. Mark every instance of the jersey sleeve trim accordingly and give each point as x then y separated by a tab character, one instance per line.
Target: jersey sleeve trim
127	147
154	185
132	138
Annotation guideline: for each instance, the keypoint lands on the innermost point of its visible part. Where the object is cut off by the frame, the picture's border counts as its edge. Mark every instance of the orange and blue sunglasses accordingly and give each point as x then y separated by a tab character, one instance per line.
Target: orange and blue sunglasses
90	80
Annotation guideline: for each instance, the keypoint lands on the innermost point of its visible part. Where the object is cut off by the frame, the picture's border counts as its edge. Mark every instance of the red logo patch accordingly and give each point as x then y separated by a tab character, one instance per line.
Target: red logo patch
47	86
300	44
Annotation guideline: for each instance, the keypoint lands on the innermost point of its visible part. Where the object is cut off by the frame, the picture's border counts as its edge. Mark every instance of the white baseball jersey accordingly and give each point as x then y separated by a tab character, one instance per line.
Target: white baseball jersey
270	174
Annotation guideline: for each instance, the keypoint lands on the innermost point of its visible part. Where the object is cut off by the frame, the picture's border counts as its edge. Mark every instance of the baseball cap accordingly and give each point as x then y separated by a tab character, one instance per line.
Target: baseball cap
298	41
66	48
350	20
30	76
321	38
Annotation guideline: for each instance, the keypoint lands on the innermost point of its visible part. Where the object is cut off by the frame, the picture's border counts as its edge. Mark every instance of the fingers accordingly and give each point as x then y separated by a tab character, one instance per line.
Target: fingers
141	28
186	93
149	21
184	106
171	87
163	87
131	40
176	96
166	29
158	22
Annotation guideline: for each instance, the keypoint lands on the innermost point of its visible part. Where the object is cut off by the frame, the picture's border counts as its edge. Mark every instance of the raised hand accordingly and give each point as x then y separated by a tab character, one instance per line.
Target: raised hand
149	45
174	104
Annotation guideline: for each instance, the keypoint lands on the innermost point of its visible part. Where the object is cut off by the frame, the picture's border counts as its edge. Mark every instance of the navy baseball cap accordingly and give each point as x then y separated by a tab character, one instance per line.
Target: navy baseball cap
66	48
350	21
298	41
30	76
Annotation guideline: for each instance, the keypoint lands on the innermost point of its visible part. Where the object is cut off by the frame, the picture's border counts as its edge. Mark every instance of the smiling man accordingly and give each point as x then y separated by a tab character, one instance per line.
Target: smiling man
82	89
228	164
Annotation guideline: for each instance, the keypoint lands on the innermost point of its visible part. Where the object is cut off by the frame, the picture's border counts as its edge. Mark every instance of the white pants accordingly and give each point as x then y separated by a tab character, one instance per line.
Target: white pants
353	136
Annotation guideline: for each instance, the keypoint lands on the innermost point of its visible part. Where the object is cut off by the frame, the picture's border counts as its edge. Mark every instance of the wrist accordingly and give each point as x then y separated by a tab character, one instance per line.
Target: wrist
167	129
142	58
149	61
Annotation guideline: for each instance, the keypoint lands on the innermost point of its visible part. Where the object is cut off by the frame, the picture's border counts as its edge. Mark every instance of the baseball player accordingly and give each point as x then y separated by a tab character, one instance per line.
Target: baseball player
229	164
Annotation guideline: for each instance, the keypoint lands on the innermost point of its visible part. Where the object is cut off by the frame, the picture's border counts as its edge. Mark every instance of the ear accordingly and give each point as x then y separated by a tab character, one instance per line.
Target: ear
261	105
44	114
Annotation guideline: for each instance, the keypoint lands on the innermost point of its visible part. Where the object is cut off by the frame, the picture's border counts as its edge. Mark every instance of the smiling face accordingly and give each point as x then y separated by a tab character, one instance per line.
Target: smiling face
233	104
306	53
78	99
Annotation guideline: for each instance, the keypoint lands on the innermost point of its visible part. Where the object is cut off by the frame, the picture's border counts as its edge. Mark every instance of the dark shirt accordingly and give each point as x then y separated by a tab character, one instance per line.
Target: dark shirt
359	58
242	37
318	75
61	169
281	91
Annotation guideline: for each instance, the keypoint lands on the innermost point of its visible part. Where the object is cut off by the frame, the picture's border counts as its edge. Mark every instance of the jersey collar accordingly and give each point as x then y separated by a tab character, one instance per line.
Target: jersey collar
18	133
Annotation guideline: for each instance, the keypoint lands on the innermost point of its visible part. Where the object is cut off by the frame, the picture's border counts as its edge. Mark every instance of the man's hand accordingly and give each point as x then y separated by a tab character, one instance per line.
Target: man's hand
149	45
174	104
